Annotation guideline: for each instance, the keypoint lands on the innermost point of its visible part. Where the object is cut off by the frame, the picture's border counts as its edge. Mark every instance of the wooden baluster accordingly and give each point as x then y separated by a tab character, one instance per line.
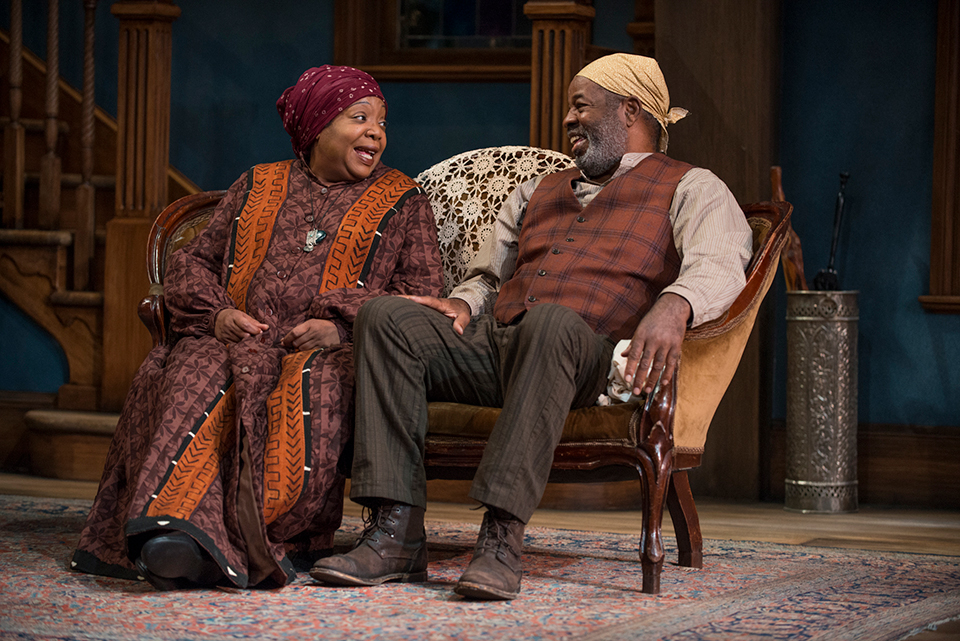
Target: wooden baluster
50	162
14	140
560	35
83	243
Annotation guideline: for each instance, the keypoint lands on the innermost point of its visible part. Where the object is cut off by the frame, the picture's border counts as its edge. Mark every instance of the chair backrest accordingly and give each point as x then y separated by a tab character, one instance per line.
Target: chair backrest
711	352
467	190
178	224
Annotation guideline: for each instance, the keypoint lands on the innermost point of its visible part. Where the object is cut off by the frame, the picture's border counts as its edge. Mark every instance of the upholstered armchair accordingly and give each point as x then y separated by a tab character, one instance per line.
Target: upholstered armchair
654	443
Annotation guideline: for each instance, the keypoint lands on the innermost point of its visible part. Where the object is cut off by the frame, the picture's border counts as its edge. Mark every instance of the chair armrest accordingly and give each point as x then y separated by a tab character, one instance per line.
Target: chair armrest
652	421
152	312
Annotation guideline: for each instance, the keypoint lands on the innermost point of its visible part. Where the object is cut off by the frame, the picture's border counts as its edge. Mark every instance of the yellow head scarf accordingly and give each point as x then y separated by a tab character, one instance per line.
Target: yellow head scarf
639	77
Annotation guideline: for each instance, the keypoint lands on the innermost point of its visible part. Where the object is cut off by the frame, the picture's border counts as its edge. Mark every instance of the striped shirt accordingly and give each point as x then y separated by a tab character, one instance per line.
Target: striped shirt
709	229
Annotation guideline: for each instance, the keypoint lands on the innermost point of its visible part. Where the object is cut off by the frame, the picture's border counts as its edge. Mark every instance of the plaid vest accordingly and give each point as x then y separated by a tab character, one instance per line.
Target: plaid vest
607	261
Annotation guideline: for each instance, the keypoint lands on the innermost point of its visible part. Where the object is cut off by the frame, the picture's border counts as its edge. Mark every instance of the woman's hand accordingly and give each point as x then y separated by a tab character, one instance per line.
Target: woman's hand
312	334
232	326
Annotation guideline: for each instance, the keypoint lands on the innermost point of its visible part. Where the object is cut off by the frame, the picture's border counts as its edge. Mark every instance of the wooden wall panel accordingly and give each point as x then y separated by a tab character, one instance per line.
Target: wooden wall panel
721	61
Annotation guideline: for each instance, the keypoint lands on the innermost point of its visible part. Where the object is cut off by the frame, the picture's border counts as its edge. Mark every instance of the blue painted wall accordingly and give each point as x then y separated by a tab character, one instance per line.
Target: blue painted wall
858	88
857	96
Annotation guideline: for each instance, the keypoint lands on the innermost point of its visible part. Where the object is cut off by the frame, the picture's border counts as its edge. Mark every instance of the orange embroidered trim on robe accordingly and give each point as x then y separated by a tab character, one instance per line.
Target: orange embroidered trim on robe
197	463
359	234
253	228
288	436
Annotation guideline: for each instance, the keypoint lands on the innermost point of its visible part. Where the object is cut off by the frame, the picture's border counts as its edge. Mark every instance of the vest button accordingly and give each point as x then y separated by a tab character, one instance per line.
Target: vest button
542	273
309	219
569	240
281	275
324	190
581	219
532	299
555	251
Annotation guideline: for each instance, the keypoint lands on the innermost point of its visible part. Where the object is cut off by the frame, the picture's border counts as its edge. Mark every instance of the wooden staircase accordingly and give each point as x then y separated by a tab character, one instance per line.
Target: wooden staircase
54	263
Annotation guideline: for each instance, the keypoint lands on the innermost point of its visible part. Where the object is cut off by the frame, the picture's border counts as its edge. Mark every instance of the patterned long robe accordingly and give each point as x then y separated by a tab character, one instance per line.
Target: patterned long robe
238	445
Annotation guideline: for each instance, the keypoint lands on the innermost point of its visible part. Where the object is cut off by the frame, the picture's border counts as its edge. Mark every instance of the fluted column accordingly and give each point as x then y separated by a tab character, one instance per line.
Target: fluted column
143	105
561	31
143	149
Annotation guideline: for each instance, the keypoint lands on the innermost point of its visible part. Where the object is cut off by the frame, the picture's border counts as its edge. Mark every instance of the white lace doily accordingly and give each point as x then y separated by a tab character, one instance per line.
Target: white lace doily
467	190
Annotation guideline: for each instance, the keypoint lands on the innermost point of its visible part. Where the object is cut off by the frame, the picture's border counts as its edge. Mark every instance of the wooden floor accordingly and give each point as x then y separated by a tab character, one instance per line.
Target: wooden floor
871	528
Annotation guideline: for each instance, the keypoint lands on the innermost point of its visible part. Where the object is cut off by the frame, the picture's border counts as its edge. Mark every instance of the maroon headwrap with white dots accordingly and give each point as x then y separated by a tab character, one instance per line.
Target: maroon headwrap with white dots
319	96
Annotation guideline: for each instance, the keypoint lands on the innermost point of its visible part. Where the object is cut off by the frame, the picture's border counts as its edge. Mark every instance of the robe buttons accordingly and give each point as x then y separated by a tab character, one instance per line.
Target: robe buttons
324	190
245	369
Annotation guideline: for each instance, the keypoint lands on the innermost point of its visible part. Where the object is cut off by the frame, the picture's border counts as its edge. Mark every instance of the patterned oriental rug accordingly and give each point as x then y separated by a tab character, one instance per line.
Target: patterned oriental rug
577	585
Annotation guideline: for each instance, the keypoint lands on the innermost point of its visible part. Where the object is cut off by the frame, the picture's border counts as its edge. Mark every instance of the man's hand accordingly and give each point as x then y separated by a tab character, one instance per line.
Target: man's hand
312	334
232	326
655	346
455	308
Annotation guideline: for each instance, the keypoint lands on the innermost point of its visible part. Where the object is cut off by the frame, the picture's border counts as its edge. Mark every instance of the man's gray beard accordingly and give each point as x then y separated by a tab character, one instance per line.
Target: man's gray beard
606	144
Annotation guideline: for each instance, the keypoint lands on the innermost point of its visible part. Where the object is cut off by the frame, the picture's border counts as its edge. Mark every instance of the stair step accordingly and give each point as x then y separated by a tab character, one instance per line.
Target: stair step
36	237
99	181
62	237
77	299
69	445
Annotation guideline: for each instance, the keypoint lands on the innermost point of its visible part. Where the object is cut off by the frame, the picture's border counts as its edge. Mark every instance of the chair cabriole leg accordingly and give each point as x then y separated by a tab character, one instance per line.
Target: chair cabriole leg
655	462
686	523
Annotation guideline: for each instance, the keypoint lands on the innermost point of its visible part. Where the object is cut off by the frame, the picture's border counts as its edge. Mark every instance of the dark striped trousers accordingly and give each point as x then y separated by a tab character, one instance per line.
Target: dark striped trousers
536	370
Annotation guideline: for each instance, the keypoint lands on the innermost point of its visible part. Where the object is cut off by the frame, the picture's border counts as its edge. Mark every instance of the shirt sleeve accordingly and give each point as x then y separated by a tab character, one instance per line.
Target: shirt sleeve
715	244
496	261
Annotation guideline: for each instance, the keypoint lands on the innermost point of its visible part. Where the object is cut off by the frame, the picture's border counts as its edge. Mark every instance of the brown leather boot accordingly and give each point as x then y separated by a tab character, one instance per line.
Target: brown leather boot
494	572
392	547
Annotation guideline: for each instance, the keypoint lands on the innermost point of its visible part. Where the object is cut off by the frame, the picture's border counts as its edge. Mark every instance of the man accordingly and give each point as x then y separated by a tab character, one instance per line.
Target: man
631	244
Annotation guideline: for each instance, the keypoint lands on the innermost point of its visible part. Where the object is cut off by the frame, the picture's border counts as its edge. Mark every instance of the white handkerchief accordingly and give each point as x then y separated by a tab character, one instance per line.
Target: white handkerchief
618	390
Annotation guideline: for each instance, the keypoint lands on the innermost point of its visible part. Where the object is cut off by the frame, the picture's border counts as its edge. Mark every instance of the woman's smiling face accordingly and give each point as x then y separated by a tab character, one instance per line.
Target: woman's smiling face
349	148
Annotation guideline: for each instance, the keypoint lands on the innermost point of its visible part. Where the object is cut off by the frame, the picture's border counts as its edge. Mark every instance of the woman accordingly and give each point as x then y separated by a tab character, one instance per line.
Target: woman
224	463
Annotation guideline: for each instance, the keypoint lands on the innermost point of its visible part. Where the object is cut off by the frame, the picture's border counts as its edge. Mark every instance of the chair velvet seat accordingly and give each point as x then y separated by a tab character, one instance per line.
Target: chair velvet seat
606	423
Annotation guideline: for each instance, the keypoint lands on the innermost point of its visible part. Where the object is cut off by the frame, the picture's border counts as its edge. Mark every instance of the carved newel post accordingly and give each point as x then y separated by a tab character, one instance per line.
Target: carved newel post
561	31
143	150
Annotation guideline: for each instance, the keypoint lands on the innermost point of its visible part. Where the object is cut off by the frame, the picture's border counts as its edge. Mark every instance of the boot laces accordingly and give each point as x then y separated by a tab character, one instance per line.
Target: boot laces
494	535
375	520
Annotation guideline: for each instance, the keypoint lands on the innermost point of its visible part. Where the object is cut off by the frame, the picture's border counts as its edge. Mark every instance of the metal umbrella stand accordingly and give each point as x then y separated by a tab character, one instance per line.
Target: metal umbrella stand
821	474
